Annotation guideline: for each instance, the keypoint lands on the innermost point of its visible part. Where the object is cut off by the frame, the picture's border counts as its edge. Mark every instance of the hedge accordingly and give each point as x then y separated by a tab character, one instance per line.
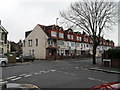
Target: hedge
113	53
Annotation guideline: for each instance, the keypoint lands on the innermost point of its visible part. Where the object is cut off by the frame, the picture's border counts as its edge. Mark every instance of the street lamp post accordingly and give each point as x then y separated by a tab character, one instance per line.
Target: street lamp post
57	21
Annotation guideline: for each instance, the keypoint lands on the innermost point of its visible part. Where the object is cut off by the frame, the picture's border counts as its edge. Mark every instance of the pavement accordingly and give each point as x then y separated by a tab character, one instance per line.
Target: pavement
18	63
104	69
100	67
96	67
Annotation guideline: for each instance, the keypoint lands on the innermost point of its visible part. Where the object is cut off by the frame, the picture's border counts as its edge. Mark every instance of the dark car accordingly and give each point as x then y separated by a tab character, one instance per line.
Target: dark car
25	58
108	86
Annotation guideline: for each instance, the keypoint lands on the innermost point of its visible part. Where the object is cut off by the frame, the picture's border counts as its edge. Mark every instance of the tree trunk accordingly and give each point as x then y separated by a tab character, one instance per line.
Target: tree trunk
94	54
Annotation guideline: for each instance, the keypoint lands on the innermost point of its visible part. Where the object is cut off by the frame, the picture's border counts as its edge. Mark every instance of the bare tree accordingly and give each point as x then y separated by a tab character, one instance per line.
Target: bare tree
92	17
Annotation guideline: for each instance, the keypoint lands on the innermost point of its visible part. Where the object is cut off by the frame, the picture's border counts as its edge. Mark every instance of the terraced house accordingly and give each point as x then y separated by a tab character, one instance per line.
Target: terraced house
3	40
52	42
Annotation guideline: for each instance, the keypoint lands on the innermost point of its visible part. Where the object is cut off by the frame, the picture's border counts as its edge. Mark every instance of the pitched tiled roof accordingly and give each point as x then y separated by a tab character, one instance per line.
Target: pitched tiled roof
48	29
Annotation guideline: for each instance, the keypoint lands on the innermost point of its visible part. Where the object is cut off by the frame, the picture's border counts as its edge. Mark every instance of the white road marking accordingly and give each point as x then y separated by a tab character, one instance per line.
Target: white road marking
46	71
94	79
22	74
67	73
52	70
42	71
28	75
16	79
76	67
11	77
37	73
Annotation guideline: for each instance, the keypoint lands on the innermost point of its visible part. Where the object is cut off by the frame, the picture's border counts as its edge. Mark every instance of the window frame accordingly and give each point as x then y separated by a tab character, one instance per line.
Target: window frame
36	42
50	42
30	43
68	36
72	37
53	33
61	35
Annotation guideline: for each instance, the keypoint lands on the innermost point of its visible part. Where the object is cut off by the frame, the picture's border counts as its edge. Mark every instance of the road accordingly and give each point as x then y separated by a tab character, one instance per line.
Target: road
57	74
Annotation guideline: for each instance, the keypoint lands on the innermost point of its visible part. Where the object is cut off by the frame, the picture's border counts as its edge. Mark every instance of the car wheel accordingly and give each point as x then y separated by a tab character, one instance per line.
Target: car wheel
3	64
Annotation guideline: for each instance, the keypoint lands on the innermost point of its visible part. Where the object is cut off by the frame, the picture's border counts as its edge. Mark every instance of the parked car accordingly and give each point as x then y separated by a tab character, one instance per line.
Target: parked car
17	58
108	86
25	58
3	60
16	86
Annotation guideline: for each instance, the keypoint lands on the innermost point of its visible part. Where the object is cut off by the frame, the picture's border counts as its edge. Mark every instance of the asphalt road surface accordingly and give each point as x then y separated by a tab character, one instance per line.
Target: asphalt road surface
57	74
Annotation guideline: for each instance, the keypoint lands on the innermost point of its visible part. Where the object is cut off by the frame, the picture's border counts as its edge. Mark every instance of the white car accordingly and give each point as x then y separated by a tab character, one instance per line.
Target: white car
3	60
15	86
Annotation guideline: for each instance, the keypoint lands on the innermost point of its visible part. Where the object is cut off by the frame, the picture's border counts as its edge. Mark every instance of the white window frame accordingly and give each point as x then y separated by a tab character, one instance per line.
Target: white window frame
36	42
68	36
78	38
53	33
29	43
61	35
77	44
72	37
85	39
72	44
61	42
50	42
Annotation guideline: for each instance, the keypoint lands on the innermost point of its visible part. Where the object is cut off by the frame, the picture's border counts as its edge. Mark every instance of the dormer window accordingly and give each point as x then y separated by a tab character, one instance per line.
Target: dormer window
101	42
61	35
85	39
109	44
72	37
104	43
78	38
53	33
68	36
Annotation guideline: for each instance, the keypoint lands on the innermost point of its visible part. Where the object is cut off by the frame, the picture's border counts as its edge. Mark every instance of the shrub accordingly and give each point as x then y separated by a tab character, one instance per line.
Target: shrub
114	53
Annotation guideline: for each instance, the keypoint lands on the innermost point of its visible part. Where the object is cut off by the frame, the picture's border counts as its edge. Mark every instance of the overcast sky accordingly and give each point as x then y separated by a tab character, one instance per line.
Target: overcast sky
18	16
